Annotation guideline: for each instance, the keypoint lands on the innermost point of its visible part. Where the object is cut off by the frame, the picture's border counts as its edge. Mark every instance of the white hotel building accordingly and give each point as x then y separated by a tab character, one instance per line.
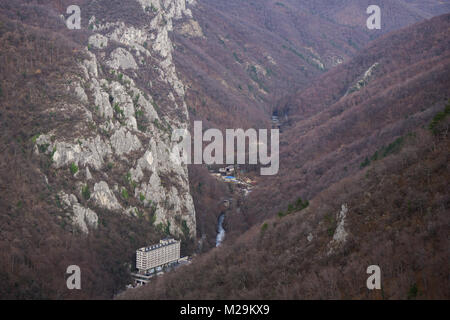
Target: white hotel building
167	251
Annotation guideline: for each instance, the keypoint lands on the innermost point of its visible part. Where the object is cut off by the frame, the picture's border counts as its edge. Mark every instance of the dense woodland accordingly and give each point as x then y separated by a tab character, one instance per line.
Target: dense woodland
377	150
37	241
382	150
329	133
397	218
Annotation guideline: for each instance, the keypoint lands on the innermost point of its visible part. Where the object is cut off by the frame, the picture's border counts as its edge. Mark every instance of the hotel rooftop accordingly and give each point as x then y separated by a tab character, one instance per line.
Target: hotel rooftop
162	243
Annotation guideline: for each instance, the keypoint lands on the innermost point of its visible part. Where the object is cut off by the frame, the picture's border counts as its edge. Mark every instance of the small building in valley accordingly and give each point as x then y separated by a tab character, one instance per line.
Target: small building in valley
229	170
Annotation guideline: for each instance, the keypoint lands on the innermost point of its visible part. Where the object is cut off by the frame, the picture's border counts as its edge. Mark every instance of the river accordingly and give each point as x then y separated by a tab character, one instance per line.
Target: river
220	230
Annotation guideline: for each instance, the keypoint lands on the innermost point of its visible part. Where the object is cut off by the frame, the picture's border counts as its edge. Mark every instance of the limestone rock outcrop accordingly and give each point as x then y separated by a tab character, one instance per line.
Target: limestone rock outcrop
127	123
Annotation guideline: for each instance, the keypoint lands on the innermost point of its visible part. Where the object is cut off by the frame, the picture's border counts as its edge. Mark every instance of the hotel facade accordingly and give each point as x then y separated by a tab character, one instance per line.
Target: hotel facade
167	251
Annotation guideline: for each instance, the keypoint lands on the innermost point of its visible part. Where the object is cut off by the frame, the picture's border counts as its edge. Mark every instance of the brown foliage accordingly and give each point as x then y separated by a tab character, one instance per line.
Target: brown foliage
397	219
37	239
329	134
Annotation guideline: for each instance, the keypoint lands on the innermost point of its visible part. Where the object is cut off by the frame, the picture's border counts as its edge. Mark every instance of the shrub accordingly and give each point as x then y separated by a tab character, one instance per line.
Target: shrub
118	110
365	163
300	205
236	57
393	147
139	113
73	168
125	194
58	201
152	219
290	208
331	224
130	181
439	117
86	192
139	213
185	229
384	151
153	8
34	138
43	147
167	228
413	291
264	227
156	107
153	207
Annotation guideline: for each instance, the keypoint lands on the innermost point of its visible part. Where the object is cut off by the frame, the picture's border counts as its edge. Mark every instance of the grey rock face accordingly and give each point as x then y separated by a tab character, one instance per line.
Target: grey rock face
79	91
144	163
123	142
67	201
84	218
122	59
109	136
340	234
88	152
104	197
124	103
89	66
365	79
98	41
101	100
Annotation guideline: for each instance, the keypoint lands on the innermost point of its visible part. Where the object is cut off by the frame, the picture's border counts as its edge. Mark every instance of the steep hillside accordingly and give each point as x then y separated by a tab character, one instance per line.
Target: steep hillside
88	168
395	14
393	86
435	7
393	214
88	172
363	181
239	57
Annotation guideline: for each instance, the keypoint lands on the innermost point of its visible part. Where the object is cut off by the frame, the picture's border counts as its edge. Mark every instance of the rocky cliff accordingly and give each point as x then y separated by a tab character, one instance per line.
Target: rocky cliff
120	149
